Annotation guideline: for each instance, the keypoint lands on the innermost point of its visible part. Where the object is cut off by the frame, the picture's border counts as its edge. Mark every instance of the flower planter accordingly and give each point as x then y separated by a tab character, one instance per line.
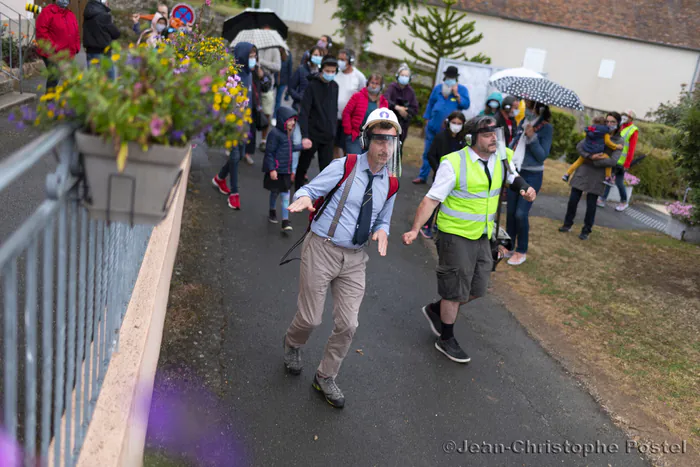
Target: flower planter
142	193
614	194
682	231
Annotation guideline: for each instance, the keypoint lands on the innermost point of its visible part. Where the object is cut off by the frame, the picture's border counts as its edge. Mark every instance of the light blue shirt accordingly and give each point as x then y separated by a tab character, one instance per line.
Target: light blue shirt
324	183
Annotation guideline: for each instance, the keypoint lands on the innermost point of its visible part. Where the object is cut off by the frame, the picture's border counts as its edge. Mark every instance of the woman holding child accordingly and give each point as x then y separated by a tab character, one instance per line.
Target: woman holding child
590	177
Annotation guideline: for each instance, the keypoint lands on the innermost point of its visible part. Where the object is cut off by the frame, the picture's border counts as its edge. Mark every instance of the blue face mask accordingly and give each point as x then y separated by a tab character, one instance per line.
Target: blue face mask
252	62
403	80
316	60
329	77
493	104
450	82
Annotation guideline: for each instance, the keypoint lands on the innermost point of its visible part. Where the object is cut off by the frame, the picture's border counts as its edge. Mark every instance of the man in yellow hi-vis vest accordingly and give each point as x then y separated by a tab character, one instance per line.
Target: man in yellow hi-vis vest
468	183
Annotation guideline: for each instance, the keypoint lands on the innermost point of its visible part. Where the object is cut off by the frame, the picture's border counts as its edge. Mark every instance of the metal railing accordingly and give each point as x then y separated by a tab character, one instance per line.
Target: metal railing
14	35
65	283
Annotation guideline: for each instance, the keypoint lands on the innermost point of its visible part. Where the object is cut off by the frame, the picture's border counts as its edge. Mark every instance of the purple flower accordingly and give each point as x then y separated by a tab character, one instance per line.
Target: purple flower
177	135
51	106
133	60
206	81
20	125
156	126
11	117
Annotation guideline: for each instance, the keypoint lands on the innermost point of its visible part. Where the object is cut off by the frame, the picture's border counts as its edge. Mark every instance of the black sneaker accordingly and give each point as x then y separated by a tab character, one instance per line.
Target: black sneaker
272	218
452	350
565	177
564	228
583	236
286	225
434	320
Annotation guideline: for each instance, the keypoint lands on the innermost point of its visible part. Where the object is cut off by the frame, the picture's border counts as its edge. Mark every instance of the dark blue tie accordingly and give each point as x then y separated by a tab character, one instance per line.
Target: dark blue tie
365	218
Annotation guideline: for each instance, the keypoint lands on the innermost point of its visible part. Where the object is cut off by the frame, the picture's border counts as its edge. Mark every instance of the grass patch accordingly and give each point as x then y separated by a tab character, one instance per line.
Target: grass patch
412	151
552	184
631	303
221	7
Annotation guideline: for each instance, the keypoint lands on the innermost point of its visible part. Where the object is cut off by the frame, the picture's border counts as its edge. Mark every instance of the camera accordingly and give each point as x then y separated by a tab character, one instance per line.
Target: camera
500	239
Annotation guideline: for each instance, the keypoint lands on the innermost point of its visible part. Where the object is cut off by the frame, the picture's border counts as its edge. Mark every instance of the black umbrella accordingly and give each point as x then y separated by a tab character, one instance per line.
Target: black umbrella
539	90
253	19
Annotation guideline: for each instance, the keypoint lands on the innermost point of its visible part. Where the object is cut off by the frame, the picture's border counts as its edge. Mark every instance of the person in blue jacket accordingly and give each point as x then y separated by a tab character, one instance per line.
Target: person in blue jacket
310	66
445	99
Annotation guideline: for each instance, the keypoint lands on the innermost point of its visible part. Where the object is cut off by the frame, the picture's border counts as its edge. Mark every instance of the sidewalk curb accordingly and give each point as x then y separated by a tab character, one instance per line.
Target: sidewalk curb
14	99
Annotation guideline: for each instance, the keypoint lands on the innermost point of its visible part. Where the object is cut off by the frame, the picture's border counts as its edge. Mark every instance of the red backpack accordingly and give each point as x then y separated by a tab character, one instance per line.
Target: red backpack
321	203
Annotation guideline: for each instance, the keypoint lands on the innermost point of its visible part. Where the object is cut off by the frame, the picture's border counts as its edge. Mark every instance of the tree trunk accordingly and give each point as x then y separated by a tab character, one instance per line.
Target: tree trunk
355	34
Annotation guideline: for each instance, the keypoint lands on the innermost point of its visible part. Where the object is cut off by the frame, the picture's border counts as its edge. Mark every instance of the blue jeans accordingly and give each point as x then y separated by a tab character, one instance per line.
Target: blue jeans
353	147
111	73
231	167
619	173
278	98
425	168
518	219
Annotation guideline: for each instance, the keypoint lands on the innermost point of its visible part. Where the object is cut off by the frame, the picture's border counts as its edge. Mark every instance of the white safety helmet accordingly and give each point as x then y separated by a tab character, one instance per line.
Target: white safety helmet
384	115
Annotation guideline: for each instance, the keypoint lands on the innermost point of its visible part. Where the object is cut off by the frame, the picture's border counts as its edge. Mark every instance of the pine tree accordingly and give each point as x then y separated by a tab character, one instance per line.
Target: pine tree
446	33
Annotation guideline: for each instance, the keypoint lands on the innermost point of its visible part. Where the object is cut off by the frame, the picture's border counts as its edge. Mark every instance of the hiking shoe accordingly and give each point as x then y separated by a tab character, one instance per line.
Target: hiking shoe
248	160
621	207
262	146
600	203
433	318
292	358
565	177
452	350
583	236
234	202
564	229
426	231
220	184
272	218
286	225
418	181
609	181
334	396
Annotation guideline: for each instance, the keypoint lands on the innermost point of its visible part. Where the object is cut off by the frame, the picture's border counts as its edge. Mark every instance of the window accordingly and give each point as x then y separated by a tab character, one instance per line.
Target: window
607	68
534	59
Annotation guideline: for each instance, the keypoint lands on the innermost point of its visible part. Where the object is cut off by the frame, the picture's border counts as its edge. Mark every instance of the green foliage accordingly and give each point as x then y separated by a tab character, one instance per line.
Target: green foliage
671	113
657	135
446	33
565	136
356	16
659	177
687	149
422	95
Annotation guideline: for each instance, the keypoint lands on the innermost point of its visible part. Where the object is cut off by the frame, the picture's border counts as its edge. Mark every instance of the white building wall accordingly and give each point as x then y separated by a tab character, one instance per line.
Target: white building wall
644	75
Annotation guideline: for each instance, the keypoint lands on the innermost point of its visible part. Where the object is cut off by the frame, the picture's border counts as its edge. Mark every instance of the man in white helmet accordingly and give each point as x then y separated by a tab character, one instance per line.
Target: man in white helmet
352	200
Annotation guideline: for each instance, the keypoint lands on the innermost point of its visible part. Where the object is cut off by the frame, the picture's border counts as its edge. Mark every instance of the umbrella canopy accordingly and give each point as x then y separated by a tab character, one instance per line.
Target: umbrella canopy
515	73
539	90
261	38
253	18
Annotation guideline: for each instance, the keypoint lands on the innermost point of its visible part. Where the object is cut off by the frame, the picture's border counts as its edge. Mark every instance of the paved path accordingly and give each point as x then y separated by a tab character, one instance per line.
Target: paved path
405	401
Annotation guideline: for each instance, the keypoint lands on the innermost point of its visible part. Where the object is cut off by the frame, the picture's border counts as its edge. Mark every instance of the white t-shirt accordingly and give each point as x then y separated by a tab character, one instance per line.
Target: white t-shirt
348	84
445	178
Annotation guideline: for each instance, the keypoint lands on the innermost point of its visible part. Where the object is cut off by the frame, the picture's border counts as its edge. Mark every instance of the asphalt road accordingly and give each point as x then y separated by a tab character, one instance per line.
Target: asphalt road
406	403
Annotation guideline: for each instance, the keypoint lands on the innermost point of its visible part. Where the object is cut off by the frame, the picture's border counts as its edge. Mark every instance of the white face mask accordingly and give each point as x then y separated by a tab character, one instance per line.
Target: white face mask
456	127
160	27
625	119
516	112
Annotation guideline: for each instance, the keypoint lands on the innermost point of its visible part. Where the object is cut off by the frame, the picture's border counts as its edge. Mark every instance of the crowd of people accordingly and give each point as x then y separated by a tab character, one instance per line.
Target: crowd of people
336	111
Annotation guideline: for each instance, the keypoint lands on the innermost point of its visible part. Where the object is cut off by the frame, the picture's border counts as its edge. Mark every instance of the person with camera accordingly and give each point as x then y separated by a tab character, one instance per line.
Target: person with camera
468	184
402	99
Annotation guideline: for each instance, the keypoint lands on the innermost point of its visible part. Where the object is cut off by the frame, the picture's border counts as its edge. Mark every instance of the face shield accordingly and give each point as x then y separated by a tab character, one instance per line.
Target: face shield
489	140
388	149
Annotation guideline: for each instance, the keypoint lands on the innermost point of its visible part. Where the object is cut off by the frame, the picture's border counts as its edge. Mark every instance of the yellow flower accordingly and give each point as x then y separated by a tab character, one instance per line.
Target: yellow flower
217	107
116	57
131	46
47	97
79	77
227	99
37	122
217	99
50	114
164	62
215	88
229	144
107	49
230	118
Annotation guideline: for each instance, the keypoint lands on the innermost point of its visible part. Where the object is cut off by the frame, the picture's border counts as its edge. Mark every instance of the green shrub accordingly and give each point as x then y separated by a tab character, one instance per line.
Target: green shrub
422	95
656	134
658	173
687	149
565	135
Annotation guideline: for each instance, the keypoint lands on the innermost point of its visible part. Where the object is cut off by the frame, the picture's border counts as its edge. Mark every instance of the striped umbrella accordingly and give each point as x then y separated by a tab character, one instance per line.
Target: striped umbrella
539	90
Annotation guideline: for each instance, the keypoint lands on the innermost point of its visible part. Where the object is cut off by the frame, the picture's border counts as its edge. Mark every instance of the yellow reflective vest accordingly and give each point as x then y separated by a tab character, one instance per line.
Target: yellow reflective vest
627	135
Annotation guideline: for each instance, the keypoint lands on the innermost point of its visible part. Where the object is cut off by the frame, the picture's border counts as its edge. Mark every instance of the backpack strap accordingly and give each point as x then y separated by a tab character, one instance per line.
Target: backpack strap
393	187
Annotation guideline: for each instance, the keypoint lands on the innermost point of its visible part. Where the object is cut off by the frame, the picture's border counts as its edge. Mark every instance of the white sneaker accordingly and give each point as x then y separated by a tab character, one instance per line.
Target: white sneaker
621	207
509	254
600	203
517	262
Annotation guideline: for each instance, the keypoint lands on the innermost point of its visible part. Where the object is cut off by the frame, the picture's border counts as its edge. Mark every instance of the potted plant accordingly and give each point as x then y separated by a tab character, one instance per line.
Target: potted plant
630	182
681	225
135	131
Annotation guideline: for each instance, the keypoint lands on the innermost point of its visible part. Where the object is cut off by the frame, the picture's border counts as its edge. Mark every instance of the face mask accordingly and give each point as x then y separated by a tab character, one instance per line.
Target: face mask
160	27
403	80
252	62
62	3
493	104
342	65
516	112
329	77
373	89
625	119
612	126
450	82
316	60
456	128
321	44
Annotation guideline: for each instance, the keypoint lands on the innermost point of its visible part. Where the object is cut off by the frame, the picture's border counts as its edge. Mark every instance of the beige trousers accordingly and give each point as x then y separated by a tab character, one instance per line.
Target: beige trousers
322	265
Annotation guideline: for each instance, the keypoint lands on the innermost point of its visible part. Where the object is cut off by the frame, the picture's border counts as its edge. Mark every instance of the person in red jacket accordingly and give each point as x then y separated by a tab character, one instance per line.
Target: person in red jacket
57	25
360	105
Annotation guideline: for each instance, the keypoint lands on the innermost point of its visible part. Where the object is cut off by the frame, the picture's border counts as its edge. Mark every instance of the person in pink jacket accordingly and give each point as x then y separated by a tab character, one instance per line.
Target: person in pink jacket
57	26
360	105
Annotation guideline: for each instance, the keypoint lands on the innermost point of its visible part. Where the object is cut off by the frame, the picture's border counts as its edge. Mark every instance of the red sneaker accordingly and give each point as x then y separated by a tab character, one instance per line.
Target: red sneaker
221	185
234	202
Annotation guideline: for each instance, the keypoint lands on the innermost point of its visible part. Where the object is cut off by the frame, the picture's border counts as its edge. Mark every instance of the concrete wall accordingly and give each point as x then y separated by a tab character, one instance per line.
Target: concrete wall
645	75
